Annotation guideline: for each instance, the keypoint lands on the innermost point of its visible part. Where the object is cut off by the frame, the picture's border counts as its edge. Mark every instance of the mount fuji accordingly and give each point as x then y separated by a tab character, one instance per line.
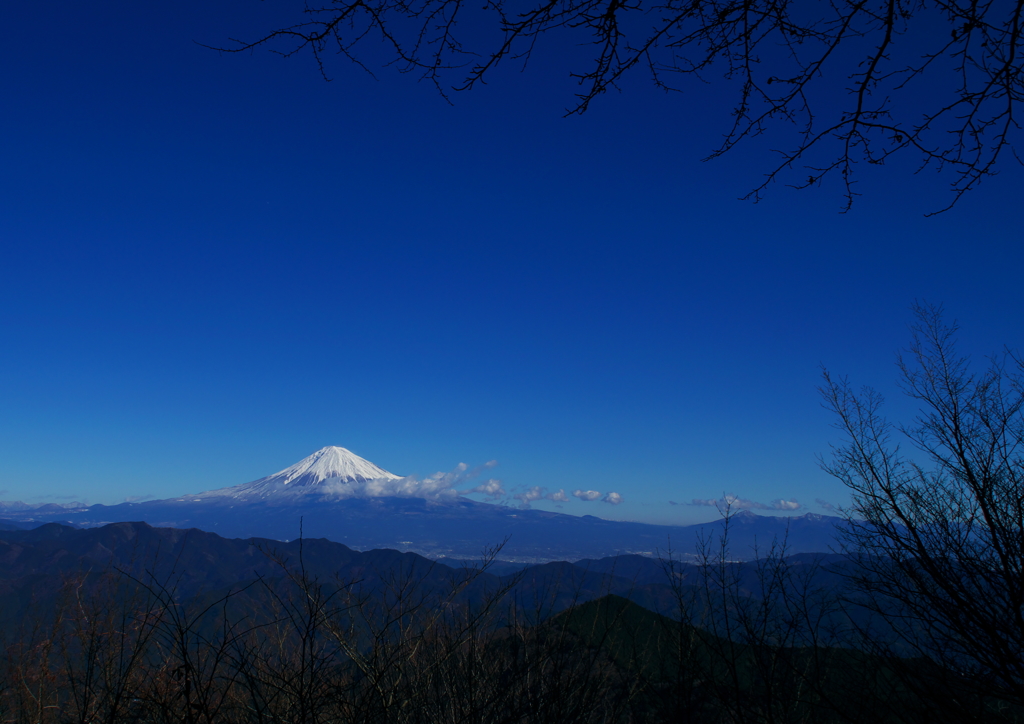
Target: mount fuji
330	471
335	494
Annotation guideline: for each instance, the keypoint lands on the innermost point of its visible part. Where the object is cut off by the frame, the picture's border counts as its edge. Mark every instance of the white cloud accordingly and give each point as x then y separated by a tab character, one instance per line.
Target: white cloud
586	494
439	486
479	468
492	488
731	501
710	502
613	498
529	495
559	497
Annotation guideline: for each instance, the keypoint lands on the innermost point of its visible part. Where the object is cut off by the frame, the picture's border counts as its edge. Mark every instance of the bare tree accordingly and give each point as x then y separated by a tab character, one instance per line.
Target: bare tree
407	643
855	81
937	528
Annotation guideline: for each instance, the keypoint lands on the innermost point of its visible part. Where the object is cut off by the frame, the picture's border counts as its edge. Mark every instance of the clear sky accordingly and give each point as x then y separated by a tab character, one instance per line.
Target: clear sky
213	265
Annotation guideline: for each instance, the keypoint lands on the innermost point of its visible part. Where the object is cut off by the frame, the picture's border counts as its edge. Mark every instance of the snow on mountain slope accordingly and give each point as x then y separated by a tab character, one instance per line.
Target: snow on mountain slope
330	470
326	463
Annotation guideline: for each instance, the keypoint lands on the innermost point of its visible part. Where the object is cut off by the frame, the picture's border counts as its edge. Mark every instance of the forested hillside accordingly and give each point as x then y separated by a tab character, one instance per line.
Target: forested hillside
130	623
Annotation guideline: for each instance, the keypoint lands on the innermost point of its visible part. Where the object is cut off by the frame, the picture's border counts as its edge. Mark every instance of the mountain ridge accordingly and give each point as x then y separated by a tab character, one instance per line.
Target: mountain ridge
329	494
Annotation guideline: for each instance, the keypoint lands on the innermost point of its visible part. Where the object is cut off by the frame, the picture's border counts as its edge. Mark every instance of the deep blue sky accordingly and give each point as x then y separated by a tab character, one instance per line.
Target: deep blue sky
213	265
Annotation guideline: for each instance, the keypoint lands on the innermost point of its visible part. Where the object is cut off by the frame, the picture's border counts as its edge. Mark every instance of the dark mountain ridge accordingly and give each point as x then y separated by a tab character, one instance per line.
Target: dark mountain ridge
188	562
459	528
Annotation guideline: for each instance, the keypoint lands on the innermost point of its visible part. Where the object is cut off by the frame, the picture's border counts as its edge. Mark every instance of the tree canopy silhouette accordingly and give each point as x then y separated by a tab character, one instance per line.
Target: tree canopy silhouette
855	81
936	526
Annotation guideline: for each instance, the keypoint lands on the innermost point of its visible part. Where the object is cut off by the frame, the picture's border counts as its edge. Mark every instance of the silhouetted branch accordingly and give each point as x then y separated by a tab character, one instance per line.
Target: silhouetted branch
940	79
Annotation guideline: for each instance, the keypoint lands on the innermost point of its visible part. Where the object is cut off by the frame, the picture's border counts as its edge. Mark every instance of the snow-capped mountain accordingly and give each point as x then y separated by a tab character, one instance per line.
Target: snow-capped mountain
338	495
330	470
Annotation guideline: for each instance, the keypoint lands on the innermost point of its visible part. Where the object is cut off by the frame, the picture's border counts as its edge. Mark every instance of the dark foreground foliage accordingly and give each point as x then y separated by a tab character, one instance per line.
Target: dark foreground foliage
122	647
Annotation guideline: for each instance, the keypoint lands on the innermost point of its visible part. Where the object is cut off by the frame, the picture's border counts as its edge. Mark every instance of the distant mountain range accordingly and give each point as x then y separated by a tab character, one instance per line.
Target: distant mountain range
338	495
129	592
36	565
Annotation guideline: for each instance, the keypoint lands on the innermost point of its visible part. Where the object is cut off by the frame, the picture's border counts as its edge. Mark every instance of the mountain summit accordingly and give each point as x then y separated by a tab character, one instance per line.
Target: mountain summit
329	462
324	471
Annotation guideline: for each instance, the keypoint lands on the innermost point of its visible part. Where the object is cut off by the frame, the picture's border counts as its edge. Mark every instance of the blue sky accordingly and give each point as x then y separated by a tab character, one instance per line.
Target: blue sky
215	264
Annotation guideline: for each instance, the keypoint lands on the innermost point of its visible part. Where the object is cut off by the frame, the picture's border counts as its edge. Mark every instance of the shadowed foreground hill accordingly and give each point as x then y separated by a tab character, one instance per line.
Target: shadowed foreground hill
408	655
35	564
674	672
128	623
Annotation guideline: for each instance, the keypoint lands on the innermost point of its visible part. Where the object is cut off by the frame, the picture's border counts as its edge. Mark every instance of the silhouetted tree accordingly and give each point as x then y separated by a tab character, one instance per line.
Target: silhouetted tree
857	81
938	529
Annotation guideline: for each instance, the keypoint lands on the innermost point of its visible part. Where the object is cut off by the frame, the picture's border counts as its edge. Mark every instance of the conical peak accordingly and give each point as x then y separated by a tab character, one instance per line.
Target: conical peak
331	462
332	456
341	471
